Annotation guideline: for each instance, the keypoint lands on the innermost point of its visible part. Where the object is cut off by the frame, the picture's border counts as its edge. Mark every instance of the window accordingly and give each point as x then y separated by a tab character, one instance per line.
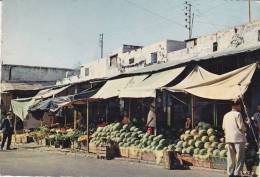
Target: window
258	35
86	71
113	60
154	57
131	60
215	46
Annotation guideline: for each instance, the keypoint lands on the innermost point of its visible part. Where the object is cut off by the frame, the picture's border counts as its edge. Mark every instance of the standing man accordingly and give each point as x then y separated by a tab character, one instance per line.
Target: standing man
256	120
234	129
151	120
7	128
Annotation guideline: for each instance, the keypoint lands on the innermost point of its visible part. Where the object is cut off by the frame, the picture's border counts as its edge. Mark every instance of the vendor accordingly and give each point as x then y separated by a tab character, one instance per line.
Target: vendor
126	119
188	122
151	120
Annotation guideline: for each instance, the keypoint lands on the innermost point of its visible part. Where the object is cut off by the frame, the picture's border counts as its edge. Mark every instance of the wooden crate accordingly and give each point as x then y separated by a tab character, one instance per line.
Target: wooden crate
148	156
124	152
105	152
92	148
202	163
134	153
219	163
186	159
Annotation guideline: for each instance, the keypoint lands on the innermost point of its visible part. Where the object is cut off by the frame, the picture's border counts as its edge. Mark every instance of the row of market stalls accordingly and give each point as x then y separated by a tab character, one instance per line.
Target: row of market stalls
178	92
122	93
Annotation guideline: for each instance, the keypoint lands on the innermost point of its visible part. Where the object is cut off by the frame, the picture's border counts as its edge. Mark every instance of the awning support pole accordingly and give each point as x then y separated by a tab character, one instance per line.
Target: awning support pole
193	110
15	132
75	119
88	135
129	109
65	122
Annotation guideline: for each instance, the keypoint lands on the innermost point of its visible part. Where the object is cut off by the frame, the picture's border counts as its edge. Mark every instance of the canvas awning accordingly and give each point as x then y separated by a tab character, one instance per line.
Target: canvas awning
112	88
229	86
147	88
20	107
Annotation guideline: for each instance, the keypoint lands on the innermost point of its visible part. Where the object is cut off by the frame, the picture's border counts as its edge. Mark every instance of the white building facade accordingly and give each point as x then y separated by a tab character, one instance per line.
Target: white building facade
129	57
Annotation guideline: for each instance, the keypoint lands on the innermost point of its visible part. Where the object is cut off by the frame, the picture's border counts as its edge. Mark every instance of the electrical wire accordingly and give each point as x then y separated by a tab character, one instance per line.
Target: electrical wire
155	13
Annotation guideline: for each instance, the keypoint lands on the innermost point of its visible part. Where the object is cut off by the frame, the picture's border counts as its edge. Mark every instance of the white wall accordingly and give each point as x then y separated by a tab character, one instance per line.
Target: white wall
246	36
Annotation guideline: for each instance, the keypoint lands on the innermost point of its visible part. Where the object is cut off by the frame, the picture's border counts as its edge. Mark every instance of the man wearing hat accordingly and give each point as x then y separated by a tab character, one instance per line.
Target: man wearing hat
235	138
151	120
7	129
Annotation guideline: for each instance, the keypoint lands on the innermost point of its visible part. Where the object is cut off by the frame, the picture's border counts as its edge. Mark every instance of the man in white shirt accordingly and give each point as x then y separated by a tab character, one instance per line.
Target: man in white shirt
235	138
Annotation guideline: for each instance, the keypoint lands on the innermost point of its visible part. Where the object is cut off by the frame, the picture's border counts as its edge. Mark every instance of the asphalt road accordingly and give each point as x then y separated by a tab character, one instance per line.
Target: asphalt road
24	162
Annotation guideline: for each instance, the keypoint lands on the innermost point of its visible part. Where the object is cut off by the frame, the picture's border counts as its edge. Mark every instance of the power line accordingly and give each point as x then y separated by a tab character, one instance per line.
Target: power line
154	13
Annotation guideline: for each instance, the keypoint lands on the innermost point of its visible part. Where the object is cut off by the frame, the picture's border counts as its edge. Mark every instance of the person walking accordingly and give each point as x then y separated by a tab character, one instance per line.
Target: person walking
235	138
7	129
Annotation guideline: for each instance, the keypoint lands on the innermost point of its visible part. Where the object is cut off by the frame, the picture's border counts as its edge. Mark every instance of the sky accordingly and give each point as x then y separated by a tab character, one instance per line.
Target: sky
65	33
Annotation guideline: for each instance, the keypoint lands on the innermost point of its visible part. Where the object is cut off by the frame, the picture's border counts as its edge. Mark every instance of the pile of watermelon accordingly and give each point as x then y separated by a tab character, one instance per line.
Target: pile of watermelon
128	136
201	142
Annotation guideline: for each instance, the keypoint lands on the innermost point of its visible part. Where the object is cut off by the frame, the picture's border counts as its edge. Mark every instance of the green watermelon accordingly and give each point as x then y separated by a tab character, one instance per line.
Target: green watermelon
216	153
213	138
205	139
199	144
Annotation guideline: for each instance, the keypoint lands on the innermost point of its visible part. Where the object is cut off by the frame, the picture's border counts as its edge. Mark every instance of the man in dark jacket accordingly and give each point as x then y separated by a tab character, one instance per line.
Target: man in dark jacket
7	129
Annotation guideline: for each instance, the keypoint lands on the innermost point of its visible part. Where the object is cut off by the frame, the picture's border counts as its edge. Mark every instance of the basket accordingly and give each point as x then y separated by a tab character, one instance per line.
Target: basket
219	163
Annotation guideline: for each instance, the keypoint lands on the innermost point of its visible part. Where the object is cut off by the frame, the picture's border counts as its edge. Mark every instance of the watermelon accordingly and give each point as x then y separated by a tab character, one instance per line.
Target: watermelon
188	137
184	144
187	132
179	144
205	139
207	145
223	153
190	150
213	138
182	137
183	151
210	132
221	146
202	132
214	145
194	132
196	137
199	144
191	142
196	151
216	153
162	142
203	152
159	147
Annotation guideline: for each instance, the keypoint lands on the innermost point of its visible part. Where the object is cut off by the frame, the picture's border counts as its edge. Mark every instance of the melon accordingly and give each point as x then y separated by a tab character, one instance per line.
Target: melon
187	132
205	139
221	146
199	144
216	153
203	152
223	153
213	138
210	131
184	144
191	142
194	132
202	132
207	145
196	137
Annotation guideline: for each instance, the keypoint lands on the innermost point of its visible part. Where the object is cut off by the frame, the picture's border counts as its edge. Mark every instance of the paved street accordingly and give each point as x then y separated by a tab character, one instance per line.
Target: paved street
25	162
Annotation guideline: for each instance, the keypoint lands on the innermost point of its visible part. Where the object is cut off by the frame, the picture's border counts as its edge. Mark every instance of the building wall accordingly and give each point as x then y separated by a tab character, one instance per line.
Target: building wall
140	57
243	36
31	73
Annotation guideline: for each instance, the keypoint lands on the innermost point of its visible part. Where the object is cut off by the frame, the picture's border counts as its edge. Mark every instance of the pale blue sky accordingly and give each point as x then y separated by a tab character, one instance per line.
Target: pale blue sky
64	32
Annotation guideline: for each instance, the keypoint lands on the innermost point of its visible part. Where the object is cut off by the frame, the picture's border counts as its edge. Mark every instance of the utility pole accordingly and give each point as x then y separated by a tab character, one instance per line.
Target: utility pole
101	42
249	10
189	17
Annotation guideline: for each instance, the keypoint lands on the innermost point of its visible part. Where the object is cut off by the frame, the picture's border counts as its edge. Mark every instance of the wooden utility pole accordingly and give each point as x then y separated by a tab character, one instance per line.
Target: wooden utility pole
88	134
249	10
189	17
101	41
